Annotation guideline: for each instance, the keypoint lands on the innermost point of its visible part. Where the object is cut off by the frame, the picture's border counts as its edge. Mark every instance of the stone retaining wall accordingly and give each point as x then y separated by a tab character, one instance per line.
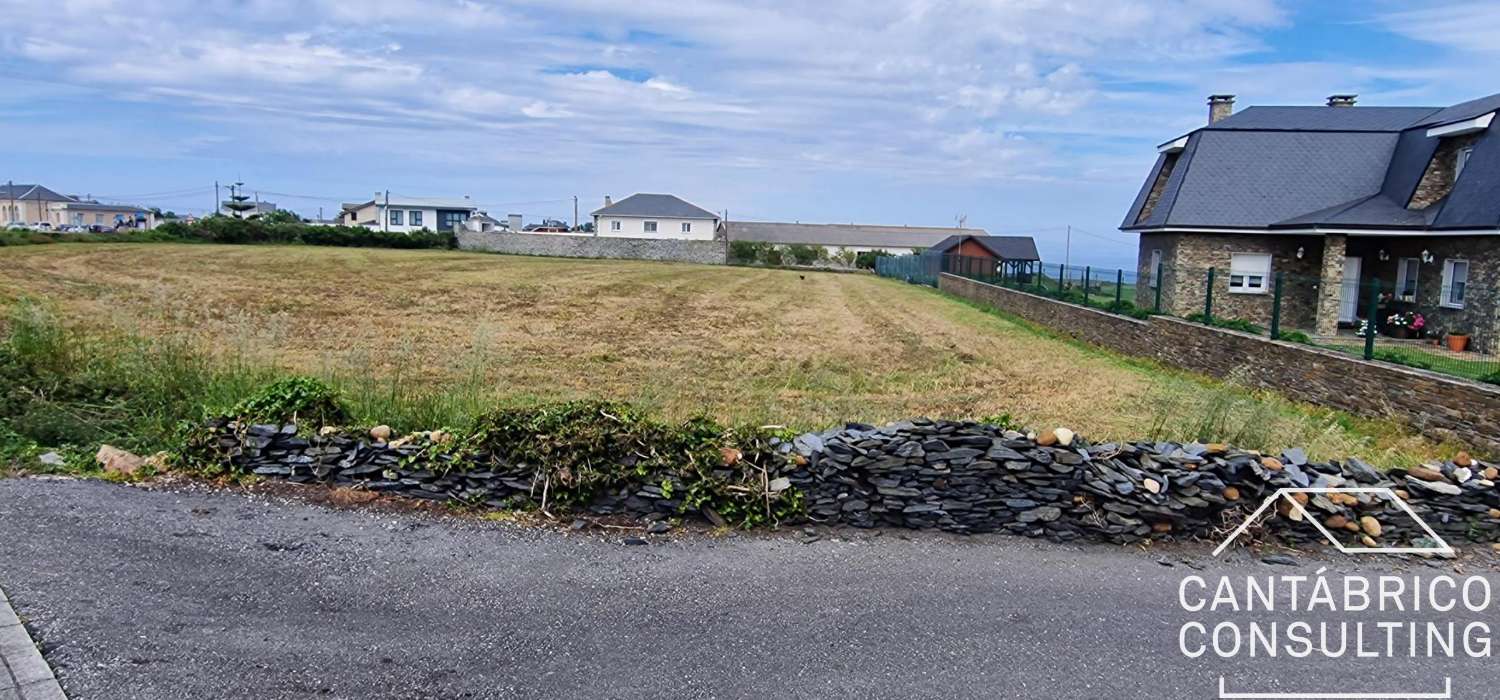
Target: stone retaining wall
957	476
571	246
1437	405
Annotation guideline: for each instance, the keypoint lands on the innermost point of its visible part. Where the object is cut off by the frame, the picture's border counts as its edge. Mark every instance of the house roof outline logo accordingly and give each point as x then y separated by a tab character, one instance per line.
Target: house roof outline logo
1442	548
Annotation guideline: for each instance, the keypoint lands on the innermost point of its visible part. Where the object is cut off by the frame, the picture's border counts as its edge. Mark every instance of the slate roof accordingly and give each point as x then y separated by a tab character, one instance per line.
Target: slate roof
665	206
842	234
1272	168
32	192
1005	247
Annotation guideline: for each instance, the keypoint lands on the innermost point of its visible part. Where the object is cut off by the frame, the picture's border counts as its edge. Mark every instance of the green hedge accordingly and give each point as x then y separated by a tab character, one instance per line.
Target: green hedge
224	229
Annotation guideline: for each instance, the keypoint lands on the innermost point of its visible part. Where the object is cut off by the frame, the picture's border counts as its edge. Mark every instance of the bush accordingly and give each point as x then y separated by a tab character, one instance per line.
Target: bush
1295	337
865	260
586	448
803	254
772	255
1491	378
304	400
746	252
231	230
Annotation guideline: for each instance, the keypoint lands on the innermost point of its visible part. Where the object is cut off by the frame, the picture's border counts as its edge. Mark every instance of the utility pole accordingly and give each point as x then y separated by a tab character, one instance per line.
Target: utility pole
385	215
575	212
10	188
1067	245
215	210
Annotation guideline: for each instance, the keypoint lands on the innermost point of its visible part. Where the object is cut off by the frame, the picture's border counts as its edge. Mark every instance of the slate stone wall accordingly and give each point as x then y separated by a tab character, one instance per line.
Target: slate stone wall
570	246
1437	405
956	476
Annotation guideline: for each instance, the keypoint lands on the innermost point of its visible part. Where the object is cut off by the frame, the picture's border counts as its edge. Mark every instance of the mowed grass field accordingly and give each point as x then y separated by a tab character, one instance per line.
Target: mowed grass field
807	350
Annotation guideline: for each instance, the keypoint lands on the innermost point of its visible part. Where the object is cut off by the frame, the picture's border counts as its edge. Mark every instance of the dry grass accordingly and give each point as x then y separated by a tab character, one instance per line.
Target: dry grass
741	344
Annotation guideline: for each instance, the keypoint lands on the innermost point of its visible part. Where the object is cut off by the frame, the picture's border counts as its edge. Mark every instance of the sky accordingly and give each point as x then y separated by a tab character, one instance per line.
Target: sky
1020	117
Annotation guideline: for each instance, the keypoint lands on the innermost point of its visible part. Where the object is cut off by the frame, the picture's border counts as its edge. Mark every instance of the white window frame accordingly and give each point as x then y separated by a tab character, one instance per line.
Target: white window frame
1407	270
649	226
614	225
1446	298
1245	272
1155	266
687	227
1460	160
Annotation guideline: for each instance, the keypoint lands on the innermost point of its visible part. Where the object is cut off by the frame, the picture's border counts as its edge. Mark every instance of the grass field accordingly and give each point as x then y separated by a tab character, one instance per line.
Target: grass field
742	344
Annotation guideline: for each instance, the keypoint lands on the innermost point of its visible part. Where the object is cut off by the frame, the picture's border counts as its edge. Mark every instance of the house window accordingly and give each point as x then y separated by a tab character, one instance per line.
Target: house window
1249	273
416	217
1406	278
1151	274
687	227
614	225
650	227
396	217
1455	283
1461	160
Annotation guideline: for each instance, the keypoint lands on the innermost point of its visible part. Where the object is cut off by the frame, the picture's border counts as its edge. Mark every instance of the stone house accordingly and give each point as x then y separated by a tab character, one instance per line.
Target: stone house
1344	204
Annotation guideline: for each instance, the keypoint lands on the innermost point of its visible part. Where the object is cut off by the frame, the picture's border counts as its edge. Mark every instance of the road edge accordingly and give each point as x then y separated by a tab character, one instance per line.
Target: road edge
26	673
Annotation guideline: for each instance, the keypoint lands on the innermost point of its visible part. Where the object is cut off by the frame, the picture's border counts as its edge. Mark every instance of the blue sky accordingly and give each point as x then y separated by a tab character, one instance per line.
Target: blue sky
1024	117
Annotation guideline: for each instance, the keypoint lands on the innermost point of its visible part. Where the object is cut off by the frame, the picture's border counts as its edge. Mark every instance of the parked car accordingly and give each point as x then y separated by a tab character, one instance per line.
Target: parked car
42	226
70	228
17	226
100	228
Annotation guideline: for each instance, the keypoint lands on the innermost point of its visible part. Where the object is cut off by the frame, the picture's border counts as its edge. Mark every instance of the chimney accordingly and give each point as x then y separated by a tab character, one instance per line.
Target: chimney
1219	107
608	201
1341	100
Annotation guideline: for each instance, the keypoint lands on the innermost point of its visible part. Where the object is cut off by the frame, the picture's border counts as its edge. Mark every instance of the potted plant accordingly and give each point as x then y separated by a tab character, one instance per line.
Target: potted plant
1405	324
1458	339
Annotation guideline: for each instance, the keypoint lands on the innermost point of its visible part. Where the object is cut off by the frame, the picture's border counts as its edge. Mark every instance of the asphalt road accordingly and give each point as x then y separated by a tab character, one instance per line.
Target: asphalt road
201	594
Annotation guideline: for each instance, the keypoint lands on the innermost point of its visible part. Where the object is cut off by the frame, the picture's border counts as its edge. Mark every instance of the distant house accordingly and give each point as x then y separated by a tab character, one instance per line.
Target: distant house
971	253
407	214
1334	198
256	208
36	204
857	238
480	222
655	216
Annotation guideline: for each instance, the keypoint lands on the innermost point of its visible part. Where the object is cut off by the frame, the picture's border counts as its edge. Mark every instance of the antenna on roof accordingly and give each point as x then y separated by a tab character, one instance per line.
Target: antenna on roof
961	219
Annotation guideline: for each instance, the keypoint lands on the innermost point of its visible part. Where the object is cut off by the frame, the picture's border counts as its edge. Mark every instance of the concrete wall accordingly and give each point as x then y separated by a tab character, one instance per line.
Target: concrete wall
1439	406
574	246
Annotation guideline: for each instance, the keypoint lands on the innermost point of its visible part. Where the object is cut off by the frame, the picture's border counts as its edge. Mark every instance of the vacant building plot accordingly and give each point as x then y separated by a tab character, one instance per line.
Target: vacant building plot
741	344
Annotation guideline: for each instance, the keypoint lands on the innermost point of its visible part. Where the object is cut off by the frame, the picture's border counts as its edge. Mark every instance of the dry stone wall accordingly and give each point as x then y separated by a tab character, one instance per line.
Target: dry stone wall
1437	405
961	477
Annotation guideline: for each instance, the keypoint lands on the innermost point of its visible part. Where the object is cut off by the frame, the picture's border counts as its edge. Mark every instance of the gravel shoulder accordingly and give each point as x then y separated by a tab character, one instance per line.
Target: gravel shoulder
193	593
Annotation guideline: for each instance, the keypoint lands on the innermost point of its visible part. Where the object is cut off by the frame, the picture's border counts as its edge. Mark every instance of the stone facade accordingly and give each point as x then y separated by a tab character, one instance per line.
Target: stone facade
1437	405
715	252
1186	259
1437	180
1480	315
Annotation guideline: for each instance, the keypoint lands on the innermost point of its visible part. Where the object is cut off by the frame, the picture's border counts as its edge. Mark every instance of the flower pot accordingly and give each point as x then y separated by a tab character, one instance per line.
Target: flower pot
1458	342
1401	332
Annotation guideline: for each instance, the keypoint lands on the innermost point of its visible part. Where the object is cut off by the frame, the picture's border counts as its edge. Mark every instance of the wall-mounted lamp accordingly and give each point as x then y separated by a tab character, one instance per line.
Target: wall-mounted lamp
1426	256
1384	255
1300	252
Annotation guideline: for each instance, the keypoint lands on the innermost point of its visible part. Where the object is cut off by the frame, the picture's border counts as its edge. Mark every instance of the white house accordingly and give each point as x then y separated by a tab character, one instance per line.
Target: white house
654	216
407	214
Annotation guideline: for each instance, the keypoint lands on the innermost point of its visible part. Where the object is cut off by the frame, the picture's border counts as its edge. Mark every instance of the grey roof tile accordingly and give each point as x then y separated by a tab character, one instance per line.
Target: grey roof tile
664	205
842	234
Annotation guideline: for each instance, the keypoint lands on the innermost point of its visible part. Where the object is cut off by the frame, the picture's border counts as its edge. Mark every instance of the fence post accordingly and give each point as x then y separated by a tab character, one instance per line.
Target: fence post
1208	299
1119	286
1371	314
1276	309
1086	272
1158	286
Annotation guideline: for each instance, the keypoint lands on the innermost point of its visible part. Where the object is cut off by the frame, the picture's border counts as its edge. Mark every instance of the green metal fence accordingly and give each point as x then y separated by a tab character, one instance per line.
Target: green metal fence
1438	321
